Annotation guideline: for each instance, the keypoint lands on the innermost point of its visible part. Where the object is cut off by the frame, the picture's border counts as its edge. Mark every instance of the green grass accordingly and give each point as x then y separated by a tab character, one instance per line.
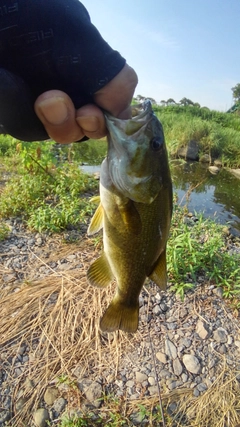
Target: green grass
218	134
47	197
4	231
197	248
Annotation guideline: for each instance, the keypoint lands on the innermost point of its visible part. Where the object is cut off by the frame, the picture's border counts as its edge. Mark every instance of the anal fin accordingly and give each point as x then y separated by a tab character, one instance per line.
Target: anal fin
99	273
159	273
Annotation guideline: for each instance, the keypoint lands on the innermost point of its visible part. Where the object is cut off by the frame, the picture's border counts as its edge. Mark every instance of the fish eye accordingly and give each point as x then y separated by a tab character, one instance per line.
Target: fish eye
156	143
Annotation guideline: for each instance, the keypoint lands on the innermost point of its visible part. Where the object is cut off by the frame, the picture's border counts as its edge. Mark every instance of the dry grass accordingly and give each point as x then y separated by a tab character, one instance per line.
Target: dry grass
57	318
219	406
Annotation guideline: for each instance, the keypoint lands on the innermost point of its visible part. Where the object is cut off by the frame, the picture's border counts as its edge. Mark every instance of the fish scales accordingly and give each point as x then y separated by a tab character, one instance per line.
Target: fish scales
135	214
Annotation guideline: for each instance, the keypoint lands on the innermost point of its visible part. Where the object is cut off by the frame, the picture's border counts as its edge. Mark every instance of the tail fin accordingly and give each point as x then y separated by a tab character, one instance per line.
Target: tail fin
120	316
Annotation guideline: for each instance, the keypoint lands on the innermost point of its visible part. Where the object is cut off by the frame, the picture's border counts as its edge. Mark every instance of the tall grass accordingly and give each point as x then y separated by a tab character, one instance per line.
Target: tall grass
218	134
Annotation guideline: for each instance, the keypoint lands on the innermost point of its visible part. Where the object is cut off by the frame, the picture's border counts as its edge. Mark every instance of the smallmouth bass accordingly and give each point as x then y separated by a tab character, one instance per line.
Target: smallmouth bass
135	213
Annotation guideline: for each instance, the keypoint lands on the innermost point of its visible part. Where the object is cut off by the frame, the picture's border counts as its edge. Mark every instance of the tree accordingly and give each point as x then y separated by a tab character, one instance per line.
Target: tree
236	92
185	101
141	98
171	101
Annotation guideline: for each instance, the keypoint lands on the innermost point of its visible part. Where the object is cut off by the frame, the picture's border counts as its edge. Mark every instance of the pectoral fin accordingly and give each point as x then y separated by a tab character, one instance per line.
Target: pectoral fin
96	222
99	273
159	274
130	217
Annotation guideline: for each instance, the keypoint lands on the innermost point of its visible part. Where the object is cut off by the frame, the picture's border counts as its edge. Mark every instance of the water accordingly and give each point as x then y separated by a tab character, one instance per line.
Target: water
216	196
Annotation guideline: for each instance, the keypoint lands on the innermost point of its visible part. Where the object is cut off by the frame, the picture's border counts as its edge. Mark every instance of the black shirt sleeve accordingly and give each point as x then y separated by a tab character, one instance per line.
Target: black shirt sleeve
52	44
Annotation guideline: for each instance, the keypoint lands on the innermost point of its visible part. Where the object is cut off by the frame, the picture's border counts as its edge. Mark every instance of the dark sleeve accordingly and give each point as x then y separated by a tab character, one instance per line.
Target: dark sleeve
52	44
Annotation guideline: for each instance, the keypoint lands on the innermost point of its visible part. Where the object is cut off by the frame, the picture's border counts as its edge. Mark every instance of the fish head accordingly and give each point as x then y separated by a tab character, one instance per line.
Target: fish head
137	155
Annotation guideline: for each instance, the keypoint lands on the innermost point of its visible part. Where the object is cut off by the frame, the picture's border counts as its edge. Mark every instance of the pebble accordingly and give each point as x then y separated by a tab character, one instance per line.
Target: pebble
151	380
201	329
40	417
177	367
170	349
92	390
161	357
140	377
220	335
191	363
59	405
50	395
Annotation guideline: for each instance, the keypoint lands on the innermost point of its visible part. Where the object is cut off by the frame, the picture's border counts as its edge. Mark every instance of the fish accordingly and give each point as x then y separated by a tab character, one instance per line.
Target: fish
135	214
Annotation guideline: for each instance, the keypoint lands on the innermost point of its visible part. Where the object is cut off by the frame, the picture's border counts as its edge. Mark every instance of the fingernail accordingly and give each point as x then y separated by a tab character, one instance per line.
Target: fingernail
53	110
88	123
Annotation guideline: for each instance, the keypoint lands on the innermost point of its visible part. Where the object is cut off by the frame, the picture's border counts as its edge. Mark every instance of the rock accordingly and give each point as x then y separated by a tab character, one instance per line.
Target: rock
151	380
196	392
185	342
184	377
220	335
201	329
59	405
170	349
205	158
153	389
137	418
219	291
4	416
177	367
140	377
191	363
156	310
40	417
161	357
92	391
190	152
130	383
201	387
213	170
163	307
50	395
218	163
235	172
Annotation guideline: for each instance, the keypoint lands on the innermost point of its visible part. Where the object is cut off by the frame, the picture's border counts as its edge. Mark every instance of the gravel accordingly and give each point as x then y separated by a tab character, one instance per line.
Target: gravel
189	337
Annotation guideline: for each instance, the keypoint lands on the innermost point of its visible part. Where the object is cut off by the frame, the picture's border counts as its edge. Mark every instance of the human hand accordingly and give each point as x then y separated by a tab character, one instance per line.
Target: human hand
56	64
64	124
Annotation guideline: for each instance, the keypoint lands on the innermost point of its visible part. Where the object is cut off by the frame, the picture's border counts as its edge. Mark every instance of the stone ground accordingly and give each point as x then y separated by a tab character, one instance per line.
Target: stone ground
180	345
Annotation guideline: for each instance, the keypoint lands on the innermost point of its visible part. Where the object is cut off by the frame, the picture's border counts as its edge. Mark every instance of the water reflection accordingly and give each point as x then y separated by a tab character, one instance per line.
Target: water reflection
217	196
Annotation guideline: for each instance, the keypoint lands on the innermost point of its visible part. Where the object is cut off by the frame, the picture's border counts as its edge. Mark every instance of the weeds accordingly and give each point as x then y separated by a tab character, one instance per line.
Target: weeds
197	249
47	197
218	134
4	231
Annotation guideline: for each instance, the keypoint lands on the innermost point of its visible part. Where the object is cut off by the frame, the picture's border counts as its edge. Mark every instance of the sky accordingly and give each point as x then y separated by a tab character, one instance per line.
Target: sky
179	48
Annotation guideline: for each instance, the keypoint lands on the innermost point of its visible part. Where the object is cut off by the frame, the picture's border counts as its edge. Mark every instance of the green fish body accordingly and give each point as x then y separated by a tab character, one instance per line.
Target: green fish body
135	214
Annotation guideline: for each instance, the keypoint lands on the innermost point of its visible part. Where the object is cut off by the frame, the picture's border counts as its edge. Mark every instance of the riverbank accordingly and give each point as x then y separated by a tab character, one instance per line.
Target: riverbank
199	133
56	364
